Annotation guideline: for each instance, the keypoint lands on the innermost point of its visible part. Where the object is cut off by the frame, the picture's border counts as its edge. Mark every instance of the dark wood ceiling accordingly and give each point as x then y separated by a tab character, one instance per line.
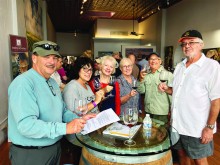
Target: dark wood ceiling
65	14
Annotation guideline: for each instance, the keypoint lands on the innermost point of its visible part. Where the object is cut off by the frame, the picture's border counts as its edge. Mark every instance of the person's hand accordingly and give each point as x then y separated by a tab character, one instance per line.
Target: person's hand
99	95
143	73
108	88
89	116
207	135
133	92
77	125
162	87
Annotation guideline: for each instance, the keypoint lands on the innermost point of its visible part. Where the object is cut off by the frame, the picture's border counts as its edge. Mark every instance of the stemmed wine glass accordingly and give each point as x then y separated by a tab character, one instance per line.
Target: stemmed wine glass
111	83
97	84
130	117
80	107
164	75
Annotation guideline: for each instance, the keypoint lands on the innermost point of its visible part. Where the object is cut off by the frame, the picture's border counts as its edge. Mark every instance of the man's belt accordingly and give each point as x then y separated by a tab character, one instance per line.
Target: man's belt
33	147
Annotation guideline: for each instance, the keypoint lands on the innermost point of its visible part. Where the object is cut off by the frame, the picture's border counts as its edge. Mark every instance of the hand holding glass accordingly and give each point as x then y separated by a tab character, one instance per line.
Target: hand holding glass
164	75
146	68
130	118
80	107
134	84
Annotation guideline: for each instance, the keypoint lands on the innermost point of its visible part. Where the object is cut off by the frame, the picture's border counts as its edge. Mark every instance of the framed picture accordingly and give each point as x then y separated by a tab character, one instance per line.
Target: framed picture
168	58
213	53
104	53
139	51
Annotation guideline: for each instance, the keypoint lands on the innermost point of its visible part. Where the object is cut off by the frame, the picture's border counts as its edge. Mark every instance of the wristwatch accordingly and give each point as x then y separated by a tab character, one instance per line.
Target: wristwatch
210	126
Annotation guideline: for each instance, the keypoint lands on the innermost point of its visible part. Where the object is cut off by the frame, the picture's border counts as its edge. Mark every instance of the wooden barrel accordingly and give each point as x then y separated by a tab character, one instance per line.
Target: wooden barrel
91	157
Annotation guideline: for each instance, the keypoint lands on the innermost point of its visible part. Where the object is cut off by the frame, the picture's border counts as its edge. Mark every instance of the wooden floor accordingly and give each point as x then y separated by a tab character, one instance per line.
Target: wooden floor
71	155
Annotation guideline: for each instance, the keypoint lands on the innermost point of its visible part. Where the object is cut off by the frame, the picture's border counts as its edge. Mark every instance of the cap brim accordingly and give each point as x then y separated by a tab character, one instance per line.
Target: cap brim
180	40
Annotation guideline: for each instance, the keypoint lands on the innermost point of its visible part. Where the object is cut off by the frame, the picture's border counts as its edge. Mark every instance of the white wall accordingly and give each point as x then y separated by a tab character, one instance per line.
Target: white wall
105	26
71	45
202	15
152	31
9	25
113	45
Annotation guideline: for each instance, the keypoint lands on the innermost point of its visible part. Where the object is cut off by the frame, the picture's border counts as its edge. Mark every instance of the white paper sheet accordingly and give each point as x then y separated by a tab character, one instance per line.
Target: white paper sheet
103	118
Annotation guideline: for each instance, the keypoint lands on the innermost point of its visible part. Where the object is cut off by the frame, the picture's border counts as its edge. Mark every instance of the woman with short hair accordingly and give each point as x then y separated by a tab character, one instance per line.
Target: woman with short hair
78	88
129	97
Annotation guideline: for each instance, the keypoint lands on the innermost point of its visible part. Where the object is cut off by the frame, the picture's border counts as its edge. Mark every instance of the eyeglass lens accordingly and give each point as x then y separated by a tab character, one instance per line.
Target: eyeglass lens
184	44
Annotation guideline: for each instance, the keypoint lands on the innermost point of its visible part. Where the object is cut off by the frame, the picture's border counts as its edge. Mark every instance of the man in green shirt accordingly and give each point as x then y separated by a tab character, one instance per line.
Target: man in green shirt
156	103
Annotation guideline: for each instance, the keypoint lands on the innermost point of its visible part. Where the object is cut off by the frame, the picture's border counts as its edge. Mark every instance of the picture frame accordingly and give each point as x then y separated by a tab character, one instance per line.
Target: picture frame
213	53
138	51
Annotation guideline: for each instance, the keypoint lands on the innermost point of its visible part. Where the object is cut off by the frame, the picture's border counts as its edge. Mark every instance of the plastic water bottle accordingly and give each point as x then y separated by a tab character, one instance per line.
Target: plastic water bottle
147	125
147	122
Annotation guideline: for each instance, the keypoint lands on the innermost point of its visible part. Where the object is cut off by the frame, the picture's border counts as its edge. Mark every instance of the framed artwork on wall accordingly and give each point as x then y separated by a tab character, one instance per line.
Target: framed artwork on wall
104	53
213	53
137	50
34	21
168	57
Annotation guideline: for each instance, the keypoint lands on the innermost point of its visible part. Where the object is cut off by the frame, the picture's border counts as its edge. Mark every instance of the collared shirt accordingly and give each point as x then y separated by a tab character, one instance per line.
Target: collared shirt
156	102
194	88
125	88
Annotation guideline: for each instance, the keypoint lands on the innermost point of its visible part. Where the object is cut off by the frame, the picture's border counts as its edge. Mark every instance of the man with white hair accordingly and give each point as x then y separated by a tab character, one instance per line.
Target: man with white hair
196	100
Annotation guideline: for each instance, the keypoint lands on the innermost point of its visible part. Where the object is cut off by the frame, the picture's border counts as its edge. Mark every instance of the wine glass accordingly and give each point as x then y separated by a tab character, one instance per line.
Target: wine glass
146	68
97	84
80	107
130	117
164	75
111	83
134	84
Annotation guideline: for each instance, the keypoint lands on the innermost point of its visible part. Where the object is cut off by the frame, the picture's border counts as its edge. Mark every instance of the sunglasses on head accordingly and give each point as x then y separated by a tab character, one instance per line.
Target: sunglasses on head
49	47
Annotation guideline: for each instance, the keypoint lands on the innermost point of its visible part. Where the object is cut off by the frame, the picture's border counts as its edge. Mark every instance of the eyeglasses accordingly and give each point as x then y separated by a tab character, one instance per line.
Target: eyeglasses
153	59
49	47
184	44
127	66
85	69
51	88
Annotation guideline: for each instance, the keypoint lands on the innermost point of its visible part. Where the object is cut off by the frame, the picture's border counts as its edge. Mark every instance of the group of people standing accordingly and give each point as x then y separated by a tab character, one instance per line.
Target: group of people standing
39	114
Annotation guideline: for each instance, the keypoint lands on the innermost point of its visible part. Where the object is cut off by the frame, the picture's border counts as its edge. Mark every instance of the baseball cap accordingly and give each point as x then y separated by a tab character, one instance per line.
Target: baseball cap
45	48
153	53
190	34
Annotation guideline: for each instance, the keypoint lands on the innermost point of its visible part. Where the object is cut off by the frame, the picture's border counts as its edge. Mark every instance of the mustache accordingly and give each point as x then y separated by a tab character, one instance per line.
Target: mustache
50	66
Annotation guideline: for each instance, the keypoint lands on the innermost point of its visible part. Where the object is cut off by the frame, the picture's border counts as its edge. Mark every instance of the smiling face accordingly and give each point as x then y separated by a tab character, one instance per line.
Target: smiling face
126	66
107	68
154	62
44	65
191	47
85	73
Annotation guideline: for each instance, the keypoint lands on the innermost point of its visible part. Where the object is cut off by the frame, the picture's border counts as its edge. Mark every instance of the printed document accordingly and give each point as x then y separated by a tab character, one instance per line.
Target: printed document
102	119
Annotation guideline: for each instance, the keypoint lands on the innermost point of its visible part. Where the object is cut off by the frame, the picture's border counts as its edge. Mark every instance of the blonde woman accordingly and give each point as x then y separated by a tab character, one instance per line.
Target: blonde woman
107	68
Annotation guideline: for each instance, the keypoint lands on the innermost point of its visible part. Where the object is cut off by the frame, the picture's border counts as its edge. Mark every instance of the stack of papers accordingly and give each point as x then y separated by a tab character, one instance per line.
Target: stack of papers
120	130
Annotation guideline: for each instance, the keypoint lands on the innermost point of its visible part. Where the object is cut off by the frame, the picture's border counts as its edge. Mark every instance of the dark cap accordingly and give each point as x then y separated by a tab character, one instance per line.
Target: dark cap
153	53
45	48
190	34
